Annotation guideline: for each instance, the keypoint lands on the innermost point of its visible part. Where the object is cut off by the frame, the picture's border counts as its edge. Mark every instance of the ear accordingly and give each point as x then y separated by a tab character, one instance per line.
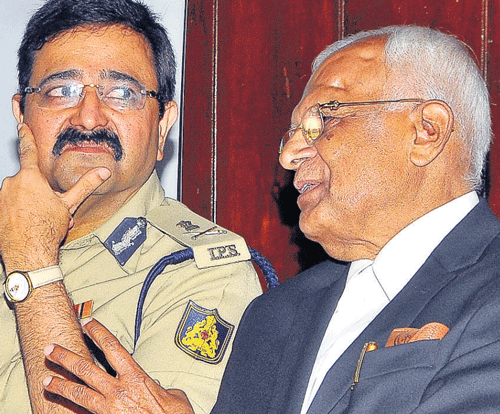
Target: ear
166	122
16	108
434	125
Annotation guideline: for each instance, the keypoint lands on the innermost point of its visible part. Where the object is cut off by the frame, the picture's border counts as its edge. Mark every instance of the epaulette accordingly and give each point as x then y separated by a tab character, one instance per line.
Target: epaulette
212	244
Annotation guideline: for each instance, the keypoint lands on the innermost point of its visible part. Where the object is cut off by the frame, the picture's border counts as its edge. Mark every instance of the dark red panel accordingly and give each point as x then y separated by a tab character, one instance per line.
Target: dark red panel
493	61
198	110
263	54
264	62
457	17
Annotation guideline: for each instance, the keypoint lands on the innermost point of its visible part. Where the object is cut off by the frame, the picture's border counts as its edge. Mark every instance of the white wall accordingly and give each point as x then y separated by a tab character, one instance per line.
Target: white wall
13	18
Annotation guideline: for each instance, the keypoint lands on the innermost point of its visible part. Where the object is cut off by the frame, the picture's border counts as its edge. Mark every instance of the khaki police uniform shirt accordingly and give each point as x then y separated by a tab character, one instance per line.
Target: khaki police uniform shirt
92	273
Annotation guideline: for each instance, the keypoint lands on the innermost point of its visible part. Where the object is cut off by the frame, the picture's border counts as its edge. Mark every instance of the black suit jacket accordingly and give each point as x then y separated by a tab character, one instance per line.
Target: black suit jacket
459	285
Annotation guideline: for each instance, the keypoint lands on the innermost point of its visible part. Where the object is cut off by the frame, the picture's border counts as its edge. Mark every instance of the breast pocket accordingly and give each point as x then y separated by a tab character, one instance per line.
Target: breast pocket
393	379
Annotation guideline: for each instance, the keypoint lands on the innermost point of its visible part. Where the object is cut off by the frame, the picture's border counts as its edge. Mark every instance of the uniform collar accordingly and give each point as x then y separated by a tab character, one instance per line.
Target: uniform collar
150	195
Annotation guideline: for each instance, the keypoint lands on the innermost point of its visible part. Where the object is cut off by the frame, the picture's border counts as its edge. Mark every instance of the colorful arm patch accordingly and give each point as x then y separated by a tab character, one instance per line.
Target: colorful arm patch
203	334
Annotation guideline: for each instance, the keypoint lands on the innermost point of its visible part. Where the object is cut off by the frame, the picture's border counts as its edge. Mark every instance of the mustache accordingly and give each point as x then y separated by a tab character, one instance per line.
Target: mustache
102	136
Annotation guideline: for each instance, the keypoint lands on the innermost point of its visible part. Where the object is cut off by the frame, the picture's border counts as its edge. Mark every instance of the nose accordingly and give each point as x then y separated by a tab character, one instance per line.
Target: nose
296	151
89	114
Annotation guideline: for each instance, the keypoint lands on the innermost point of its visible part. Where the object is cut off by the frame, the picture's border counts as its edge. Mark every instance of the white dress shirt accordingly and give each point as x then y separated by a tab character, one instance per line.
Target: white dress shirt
371	285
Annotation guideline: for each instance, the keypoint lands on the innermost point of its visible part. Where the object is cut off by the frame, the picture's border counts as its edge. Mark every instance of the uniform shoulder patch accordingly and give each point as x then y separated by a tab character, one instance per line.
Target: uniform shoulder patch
212	245
126	238
203	334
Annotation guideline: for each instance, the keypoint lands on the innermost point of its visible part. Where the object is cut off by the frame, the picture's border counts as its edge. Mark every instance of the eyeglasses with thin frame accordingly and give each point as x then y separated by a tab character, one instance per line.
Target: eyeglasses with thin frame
312	124
117	95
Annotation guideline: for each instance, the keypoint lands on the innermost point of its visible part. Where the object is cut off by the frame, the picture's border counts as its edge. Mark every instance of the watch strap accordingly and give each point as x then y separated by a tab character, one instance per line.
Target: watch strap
46	275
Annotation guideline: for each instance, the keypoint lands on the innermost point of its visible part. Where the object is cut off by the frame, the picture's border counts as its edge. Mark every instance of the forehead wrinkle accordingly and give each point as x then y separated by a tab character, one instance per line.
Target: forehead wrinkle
354	73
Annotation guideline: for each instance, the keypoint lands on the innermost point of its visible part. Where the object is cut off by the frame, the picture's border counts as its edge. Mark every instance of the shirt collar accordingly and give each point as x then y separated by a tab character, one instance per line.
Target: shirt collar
405	253
357	267
149	195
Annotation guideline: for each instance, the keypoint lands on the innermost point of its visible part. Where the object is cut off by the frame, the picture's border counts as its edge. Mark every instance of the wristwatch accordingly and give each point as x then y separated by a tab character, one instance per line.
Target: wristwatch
18	285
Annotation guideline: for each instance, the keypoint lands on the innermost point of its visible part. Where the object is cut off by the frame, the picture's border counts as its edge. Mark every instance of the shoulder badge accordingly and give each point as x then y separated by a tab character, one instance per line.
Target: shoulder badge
126	238
203	334
212	245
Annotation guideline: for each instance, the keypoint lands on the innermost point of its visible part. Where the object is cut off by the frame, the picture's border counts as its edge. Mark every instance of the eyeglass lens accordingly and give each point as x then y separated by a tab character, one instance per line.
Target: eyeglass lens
61	94
311	126
312	123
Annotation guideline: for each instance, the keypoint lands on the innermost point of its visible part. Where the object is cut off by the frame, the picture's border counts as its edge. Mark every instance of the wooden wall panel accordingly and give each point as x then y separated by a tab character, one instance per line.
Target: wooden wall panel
198	108
259	64
246	142
493	61
246	66
462	18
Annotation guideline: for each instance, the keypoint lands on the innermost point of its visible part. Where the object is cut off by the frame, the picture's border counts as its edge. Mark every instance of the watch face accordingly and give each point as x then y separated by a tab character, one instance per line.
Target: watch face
17	287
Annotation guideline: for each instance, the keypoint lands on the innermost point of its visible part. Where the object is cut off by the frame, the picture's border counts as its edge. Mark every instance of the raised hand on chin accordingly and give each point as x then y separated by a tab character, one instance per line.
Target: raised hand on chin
34	218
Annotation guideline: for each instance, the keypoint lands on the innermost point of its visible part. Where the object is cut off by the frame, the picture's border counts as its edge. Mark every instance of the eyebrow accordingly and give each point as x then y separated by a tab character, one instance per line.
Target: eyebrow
115	75
67	74
78	74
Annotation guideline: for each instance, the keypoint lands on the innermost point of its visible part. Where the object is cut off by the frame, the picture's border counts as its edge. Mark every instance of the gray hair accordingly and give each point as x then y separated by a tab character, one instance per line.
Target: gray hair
435	65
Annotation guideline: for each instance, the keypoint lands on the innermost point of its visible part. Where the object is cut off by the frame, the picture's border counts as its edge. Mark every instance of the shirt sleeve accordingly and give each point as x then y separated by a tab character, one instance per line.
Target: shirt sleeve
174	298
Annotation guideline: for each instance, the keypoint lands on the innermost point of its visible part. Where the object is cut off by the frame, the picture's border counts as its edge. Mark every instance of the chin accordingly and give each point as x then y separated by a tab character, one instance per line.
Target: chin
63	184
309	226
66	182
317	230
66	176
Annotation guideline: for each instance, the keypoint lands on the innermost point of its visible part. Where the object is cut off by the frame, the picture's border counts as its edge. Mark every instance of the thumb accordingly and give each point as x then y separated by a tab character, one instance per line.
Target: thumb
28	153
84	187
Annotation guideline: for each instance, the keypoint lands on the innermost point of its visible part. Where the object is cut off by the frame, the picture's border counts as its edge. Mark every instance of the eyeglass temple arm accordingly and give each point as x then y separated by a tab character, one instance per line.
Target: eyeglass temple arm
336	104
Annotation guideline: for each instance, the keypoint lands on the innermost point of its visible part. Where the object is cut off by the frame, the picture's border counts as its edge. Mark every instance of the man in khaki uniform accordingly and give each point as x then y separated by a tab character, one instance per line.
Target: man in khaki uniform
85	220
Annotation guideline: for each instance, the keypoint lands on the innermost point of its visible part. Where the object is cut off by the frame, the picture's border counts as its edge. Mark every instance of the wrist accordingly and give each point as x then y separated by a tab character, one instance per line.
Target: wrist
20	258
30	265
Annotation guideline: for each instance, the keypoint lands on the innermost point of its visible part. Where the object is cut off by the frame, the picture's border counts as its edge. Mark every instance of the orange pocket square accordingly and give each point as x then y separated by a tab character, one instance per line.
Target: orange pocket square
433	330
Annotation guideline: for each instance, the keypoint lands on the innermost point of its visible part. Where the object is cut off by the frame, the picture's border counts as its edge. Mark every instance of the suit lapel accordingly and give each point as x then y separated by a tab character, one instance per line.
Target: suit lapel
400	312
312	315
472	236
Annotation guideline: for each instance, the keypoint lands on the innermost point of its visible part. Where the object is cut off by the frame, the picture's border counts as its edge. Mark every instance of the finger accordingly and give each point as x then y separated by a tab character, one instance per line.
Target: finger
176	400
28	152
117	356
82	368
85	186
79	394
182	403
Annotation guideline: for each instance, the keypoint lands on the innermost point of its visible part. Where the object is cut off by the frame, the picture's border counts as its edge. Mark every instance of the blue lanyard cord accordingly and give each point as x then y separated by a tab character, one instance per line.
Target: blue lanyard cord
187	254
266	267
